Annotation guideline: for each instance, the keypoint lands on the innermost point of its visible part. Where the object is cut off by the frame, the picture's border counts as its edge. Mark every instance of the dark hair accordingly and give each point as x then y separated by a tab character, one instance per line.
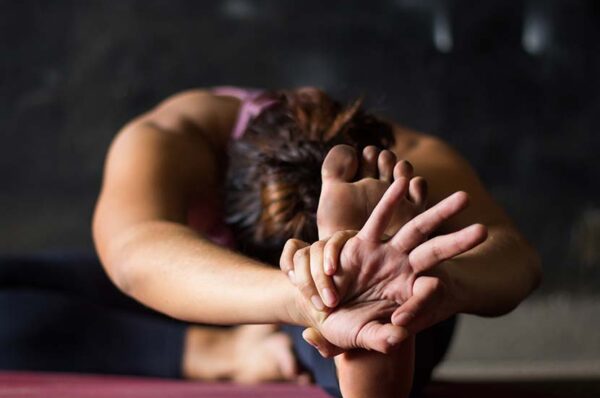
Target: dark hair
273	182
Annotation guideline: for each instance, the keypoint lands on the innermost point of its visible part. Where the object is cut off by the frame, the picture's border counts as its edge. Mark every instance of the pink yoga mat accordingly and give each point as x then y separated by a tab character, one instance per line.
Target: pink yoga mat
58	385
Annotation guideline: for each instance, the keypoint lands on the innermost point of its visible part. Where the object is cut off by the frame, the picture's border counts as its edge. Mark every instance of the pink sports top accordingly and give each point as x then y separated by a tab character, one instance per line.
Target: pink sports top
207	217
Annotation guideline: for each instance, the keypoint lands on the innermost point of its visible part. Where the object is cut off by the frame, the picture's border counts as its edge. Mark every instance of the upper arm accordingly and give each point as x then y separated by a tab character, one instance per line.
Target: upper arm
157	165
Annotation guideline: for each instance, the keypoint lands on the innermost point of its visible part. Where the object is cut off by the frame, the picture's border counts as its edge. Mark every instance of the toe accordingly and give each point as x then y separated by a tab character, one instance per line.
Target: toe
385	164
369	162
341	163
403	169
417	191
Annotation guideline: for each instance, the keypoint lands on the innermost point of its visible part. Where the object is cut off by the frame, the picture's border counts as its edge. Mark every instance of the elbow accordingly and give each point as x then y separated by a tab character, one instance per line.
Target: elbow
120	271
122	275
116	258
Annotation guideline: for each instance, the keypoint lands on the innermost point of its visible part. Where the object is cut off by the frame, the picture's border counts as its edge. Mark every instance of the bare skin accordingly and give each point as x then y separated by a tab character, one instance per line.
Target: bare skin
347	202
246	354
360	372
170	157
390	266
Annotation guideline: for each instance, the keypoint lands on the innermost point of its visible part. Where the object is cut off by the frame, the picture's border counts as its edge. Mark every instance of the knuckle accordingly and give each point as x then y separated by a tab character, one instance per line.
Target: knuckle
336	236
318	245
437	252
418	227
299	255
307	289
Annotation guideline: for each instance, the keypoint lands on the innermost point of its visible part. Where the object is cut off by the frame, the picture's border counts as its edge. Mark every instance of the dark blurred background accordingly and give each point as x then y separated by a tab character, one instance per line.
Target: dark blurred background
513	85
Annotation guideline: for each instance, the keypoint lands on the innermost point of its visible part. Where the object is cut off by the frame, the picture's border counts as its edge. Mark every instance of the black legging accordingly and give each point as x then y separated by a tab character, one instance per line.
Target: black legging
61	313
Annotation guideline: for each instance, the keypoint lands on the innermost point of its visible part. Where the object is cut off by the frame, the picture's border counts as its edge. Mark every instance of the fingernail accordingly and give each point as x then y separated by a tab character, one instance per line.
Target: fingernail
317	302
329	297
292	277
402	319
394	340
312	343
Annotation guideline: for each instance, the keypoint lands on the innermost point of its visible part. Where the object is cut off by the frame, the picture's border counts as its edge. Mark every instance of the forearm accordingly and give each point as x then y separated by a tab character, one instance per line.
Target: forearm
170	268
493	278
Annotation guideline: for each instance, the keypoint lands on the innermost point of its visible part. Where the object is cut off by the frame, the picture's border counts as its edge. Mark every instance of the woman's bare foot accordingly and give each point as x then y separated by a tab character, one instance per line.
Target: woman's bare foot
363	373
348	196
244	354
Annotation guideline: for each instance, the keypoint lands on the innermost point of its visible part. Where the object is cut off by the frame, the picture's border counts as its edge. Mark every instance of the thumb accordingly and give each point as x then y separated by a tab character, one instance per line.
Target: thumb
419	311
316	339
381	337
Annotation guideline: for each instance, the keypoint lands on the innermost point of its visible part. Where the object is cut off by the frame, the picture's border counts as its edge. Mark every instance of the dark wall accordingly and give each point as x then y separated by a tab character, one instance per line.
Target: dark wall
512	85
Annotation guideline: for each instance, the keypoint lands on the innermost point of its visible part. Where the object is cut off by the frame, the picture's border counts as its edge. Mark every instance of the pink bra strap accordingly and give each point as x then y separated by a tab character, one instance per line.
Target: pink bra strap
252	105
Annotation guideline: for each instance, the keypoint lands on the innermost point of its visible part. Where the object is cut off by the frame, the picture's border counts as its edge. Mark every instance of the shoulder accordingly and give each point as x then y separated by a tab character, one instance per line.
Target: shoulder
446	172
175	145
197	111
427	152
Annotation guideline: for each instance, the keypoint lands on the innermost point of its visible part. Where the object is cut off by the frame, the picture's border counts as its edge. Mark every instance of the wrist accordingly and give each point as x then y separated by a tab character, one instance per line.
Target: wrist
301	312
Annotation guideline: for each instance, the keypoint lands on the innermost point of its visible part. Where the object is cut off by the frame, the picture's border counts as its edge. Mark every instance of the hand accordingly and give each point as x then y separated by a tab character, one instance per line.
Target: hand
262	354
379	275
345	204
313	273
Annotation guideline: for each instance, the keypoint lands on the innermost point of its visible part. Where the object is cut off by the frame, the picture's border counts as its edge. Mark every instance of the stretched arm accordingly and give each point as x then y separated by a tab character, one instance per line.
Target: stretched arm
377	275
490	280
156	167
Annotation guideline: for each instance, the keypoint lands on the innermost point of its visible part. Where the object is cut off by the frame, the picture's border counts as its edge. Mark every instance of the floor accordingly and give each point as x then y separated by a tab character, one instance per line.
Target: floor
48	385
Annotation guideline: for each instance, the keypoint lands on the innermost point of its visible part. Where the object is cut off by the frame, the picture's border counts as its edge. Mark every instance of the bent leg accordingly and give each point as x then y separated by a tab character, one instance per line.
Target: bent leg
73	274
40	330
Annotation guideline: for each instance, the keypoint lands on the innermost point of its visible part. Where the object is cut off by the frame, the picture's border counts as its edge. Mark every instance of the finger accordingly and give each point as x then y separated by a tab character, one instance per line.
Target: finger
381	337
403	169
421	310
303	278
286	261
369	162
381	215
438	249
418	229
417	191
316	339
341	163
333	248
385	164
323	282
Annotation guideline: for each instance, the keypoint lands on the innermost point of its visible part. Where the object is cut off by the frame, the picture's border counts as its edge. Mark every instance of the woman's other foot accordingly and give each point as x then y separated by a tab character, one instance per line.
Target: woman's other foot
244	354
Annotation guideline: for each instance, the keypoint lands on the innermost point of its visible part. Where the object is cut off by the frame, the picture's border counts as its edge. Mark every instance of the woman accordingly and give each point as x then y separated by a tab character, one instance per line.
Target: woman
164	185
